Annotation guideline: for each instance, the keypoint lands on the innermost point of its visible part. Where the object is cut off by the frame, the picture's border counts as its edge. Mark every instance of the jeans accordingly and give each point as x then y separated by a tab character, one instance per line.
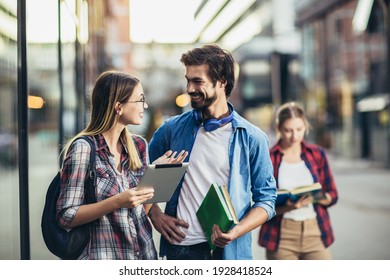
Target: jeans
199	251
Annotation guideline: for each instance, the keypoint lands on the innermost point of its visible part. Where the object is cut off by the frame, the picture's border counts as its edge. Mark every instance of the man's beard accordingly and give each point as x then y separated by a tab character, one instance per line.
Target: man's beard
207	102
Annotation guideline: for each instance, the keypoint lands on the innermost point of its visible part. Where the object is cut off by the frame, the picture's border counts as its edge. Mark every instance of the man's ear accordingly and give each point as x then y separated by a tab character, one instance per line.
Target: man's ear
222	83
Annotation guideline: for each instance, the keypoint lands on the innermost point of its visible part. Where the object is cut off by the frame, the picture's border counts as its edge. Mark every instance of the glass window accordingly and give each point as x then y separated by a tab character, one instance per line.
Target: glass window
9	187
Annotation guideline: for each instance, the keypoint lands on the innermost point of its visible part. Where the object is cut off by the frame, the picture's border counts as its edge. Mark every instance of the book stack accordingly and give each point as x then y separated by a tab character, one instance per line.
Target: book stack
216	209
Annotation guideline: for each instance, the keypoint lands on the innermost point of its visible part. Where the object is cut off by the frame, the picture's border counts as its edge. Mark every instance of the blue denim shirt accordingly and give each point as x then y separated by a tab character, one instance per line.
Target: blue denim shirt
251	182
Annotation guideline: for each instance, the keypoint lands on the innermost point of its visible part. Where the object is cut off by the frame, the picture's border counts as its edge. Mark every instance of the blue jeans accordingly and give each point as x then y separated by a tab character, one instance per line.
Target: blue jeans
199	251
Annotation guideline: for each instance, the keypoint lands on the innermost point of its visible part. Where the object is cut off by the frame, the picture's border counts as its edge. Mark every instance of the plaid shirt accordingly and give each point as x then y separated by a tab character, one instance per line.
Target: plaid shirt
315	159
125	233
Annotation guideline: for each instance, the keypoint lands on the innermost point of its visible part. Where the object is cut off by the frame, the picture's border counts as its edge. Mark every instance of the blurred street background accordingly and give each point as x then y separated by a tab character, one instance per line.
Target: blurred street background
332	56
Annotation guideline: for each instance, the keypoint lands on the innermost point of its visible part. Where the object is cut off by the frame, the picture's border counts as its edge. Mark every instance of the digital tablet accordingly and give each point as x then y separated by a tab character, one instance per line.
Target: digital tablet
164	179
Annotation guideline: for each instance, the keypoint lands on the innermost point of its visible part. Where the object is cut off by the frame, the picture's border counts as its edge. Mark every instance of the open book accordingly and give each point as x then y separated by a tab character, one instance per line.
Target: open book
315	190
218	209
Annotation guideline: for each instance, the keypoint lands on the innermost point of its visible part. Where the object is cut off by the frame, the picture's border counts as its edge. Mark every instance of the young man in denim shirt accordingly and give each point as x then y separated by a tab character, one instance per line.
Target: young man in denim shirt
223	148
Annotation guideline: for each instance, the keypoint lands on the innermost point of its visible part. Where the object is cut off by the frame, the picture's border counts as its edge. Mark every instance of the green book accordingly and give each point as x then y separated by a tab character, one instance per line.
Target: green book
216	208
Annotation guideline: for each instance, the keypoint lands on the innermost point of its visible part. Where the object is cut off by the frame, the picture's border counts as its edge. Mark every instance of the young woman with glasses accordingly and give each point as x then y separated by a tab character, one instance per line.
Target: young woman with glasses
121	229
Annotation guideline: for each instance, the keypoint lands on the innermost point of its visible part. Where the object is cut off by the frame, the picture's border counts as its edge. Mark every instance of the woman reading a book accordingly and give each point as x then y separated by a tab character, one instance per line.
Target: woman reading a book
301	228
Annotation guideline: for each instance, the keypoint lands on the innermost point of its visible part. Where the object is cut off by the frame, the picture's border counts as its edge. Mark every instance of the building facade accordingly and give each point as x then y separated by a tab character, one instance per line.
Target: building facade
345	65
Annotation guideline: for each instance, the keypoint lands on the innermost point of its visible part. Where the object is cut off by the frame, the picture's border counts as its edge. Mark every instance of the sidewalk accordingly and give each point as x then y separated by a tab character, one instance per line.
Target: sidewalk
339	163
361	217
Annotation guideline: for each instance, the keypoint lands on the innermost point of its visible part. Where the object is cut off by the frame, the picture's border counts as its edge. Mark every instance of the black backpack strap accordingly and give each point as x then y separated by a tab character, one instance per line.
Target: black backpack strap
90	182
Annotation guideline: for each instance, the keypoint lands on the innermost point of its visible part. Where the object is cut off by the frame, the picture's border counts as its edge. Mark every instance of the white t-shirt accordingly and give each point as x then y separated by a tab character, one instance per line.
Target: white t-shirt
293	175
209	163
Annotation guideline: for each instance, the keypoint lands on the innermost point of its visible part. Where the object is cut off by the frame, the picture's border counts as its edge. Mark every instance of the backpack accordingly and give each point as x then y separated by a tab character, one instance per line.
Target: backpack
67	245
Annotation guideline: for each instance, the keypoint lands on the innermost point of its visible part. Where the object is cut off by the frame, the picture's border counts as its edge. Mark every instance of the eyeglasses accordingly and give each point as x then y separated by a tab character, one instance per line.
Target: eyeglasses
142	100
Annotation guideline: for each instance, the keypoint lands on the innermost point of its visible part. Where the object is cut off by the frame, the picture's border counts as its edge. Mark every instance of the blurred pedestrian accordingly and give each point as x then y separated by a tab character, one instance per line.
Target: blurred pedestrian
122	229
301	229
224	148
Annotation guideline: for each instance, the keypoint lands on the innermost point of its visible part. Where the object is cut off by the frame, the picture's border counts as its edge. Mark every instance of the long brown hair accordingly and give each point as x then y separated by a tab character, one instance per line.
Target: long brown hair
110	87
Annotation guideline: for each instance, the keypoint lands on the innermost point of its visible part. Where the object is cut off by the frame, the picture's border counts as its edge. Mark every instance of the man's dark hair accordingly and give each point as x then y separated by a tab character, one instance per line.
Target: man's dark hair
220	62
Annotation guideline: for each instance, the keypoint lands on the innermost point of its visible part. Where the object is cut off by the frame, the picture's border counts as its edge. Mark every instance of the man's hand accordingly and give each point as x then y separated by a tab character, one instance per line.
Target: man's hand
253	219
168	226
171	157
220	239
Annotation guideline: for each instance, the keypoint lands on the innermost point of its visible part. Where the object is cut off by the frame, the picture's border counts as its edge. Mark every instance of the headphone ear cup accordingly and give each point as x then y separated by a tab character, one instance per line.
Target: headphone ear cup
211	124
